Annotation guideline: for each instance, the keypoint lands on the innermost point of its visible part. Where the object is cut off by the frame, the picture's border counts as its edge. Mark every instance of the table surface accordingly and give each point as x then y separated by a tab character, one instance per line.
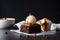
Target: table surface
6	34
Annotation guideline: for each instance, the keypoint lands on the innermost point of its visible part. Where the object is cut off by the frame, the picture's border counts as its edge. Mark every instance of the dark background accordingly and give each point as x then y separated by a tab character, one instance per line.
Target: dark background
20	9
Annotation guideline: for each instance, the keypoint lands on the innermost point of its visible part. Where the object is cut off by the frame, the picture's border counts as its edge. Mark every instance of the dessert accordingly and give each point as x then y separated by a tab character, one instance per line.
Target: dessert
30	25
2	18
45	24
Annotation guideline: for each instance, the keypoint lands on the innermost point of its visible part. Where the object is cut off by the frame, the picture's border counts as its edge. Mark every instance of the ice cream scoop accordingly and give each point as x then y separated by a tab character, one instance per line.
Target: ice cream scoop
31	19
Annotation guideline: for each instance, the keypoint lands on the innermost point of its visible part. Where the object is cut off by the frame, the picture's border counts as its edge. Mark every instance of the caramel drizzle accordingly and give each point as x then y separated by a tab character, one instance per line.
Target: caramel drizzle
44	24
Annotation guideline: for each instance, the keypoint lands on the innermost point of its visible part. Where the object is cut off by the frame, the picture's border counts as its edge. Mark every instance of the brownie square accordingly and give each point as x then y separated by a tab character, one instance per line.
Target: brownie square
31	29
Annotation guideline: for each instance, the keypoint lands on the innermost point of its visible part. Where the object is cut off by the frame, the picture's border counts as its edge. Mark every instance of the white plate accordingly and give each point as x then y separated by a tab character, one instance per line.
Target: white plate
37	34
6	23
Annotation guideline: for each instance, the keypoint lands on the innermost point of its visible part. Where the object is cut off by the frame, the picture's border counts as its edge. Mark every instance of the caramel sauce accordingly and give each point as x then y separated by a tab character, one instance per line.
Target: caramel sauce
44	24
29	24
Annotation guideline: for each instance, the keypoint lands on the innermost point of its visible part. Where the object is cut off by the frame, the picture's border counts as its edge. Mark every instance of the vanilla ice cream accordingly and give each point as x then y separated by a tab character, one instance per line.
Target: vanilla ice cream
31	19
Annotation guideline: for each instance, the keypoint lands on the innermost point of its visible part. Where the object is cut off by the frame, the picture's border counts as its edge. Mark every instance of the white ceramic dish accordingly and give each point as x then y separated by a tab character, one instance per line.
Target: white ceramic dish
6	22
19	24
52	32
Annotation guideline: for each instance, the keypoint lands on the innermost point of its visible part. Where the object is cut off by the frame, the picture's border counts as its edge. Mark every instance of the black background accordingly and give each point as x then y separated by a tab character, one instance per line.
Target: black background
19	9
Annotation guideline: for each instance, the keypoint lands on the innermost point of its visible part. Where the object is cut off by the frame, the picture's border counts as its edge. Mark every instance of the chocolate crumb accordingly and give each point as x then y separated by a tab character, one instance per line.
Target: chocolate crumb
57	30
6	33
20	35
